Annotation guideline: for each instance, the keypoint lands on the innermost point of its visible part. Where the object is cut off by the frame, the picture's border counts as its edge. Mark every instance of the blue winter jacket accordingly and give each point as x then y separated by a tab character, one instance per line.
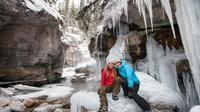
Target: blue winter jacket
128	73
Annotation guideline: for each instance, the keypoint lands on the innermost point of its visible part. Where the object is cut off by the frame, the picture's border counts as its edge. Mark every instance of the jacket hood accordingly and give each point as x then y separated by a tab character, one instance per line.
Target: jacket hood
123	63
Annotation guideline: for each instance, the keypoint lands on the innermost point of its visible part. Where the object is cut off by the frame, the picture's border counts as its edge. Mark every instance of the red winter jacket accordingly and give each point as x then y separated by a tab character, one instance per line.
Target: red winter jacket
107	80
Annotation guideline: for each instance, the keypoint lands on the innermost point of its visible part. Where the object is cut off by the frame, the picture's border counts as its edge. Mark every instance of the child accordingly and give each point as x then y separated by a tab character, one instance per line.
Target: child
110	83
131	83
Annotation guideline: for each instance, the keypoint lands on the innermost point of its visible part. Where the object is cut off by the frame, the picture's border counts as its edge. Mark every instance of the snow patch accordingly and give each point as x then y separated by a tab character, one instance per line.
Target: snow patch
39	5
26	88
68	72
52	93
90	100
195	109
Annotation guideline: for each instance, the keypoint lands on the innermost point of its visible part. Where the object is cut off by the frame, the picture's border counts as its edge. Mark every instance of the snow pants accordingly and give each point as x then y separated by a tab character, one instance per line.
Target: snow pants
132	94
114	89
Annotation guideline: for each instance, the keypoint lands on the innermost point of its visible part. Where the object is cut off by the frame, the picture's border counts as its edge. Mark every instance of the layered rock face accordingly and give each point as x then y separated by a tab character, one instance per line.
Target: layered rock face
30	46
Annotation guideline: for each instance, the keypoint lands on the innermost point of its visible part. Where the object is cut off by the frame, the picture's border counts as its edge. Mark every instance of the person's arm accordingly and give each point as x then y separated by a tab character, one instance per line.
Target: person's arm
129	72
103	77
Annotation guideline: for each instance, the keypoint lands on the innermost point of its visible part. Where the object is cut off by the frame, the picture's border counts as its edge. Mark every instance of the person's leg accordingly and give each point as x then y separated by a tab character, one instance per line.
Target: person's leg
102	96
116	86
139	100
124	85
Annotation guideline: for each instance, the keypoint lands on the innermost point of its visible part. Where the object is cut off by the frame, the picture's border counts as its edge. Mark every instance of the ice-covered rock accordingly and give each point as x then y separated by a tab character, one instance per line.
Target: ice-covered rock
4	101
17	106
6	109
47	108
68	72
26	88
29	103
90	100
195	109
5	92
157	94
62	110
52	93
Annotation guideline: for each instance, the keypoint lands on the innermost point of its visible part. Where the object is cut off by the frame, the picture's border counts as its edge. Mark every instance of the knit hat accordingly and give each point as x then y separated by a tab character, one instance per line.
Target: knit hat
116	52
114	56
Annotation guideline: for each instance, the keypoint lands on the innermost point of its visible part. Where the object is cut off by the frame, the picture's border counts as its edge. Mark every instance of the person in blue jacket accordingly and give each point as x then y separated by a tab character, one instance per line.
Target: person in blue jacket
131	83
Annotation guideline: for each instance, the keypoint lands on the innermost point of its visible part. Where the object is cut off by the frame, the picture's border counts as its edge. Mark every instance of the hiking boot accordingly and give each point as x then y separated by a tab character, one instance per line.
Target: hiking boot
115	97
103	109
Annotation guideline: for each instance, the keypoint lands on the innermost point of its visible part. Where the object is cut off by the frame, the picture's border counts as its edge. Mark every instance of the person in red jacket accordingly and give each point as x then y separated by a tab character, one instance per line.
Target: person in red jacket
110	83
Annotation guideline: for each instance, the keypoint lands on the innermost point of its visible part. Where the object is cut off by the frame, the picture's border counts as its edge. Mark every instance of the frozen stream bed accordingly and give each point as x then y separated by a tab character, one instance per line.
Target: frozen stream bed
62	88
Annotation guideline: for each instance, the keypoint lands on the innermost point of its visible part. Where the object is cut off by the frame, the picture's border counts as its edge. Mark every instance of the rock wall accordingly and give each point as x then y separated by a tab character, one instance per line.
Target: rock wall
30	46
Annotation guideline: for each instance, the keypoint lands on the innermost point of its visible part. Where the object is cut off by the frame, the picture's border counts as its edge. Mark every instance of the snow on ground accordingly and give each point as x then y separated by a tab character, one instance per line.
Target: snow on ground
158	94
26	88
39	5
90	100
68	72
53	93
195	109
154	92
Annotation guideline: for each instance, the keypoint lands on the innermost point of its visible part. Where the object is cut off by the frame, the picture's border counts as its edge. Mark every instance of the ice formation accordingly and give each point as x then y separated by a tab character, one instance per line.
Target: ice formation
113	11
162	63
162	66
115	8
148	3
188	14
190	91
167	7
157	94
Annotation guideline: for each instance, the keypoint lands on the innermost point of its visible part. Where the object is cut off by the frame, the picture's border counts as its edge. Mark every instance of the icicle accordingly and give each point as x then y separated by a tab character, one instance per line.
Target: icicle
142	11
167	7
133	1
144	16
138	5
149	7
157	1
190	92
102	1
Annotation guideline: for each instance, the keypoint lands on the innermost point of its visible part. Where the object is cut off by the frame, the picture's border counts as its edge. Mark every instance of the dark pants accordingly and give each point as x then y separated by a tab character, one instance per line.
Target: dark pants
132	94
